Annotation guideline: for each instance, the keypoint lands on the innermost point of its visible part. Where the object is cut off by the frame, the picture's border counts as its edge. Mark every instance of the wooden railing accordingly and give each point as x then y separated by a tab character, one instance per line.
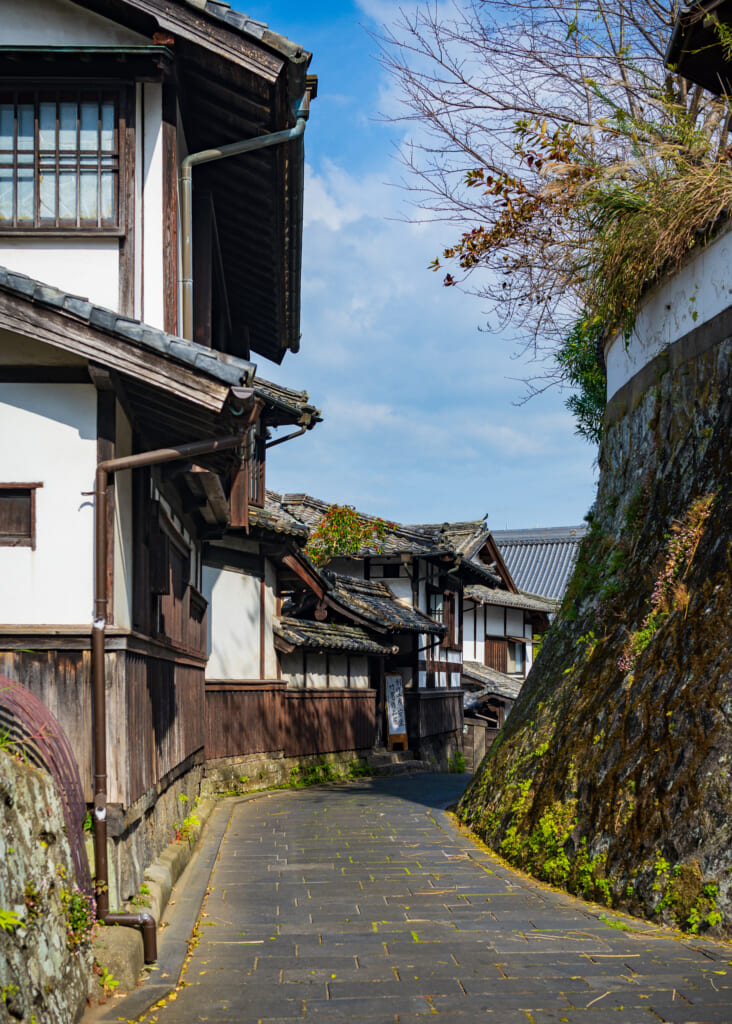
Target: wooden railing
260	716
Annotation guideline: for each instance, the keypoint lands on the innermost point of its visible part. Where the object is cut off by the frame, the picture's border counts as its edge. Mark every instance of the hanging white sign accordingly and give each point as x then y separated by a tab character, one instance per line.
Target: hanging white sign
395	705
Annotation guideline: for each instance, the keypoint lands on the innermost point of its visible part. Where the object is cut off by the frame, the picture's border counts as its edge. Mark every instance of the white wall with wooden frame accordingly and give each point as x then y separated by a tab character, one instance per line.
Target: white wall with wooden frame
49	436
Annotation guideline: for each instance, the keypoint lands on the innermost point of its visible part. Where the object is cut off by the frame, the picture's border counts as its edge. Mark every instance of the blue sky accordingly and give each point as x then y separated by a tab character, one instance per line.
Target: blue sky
420	421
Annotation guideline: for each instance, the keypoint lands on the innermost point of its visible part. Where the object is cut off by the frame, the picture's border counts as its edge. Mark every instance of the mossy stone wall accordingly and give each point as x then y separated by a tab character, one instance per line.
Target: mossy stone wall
613	776
44	975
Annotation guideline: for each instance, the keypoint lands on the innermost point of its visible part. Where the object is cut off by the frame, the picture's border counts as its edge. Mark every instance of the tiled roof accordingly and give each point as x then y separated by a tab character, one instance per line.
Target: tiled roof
293	403
225	368
463	538
530	602
373	601
426	539
275	518
541	560
491	682
247	26
328	636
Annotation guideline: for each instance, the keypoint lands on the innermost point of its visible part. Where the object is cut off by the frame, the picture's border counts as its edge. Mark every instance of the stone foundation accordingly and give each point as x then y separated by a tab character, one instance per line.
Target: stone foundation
228	776
138	834
41	977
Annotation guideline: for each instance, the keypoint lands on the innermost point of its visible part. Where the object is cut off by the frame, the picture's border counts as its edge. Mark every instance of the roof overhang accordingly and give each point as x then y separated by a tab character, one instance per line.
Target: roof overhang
236	80
695	49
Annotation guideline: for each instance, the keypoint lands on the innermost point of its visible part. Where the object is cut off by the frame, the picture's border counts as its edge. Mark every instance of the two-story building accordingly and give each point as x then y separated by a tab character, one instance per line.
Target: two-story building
453	575
151	186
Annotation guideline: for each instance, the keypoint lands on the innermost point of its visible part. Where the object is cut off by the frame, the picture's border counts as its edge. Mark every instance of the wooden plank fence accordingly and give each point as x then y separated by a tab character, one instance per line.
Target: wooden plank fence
253	718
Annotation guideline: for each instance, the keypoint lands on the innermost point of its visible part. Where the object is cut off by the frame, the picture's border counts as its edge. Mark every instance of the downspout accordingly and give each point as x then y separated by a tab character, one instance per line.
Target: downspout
106	469
287	437
206	156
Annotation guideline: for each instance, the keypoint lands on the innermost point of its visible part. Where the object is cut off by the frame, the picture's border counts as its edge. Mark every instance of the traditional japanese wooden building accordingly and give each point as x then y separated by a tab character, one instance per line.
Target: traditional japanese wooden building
151	161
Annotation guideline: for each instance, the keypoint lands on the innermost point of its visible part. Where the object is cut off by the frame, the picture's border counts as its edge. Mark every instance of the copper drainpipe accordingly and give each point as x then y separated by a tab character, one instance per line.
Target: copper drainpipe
106	469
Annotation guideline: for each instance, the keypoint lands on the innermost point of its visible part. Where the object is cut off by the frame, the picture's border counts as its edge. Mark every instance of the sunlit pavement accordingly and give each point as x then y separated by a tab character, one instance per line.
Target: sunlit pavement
364	903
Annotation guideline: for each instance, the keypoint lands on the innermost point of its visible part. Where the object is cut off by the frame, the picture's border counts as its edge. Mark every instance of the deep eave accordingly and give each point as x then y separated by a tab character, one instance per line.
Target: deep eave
695	49
236	80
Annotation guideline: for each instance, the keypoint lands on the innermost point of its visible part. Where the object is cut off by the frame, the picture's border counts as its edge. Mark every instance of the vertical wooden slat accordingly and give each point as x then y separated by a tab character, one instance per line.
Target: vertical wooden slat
170	210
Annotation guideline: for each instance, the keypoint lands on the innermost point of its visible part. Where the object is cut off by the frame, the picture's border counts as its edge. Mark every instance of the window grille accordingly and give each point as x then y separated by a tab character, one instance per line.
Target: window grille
59	160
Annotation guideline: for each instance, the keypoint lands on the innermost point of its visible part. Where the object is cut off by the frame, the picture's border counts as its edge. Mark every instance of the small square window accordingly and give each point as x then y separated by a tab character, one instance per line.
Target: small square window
18	515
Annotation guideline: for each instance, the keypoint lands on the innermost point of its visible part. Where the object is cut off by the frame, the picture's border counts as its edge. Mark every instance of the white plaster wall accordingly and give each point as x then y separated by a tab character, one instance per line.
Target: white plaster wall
402	590
317	678
338	671
359	673
514	622
493	620
422	683
150	159
700	290
82	266
123	528
60	23
270	605
233	624
291	666
49	434
529	658
469	631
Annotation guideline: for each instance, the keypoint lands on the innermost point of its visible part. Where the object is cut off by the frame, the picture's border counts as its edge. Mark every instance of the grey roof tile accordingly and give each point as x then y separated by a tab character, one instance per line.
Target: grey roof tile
497	596
80	308
228	369
491	681
275	518
376	602
541	561
329	636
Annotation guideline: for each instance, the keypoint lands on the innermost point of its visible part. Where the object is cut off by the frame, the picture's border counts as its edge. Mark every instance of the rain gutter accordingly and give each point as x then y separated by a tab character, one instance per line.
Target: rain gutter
109	467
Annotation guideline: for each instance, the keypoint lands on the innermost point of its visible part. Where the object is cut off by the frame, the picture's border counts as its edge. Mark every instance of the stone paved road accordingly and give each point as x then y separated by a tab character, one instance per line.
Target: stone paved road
363	903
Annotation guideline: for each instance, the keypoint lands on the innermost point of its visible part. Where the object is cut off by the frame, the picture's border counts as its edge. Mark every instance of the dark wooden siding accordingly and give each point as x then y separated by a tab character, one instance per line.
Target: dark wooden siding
496	654
243	719
431	712
155	710
248	719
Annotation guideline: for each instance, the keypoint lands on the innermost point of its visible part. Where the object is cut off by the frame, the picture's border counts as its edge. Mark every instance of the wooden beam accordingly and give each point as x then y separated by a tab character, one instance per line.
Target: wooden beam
305	575
55	328
210	34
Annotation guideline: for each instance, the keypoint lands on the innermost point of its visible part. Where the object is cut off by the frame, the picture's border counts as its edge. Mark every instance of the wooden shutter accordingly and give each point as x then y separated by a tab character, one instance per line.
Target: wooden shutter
496	653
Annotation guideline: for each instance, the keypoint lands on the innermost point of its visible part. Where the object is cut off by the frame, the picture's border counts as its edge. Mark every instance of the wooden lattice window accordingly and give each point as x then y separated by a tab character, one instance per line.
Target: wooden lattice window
59	159
18	515
256	467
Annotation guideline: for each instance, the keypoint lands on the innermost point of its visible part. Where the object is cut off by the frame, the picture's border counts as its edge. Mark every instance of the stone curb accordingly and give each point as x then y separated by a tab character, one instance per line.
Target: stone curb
196	863
120	950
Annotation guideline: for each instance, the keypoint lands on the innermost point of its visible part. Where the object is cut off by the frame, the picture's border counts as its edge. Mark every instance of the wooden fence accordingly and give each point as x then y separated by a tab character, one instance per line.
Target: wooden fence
253	718
431	712
155	707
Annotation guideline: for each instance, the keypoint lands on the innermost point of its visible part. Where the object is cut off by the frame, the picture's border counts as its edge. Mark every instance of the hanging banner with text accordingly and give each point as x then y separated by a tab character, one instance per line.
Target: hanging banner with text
395	706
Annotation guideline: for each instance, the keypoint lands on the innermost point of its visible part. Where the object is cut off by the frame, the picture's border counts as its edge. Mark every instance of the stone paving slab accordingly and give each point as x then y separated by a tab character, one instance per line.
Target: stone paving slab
364	903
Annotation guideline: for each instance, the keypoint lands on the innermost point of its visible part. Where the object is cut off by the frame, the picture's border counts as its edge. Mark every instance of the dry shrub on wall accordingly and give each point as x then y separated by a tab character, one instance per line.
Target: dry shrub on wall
574	165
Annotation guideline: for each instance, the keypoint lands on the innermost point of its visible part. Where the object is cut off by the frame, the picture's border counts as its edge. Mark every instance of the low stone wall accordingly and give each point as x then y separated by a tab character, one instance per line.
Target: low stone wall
229	776
439	751
139	833
44	976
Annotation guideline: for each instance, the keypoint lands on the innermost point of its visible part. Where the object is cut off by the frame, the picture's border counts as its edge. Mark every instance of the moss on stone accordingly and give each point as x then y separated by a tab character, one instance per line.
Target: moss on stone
598	769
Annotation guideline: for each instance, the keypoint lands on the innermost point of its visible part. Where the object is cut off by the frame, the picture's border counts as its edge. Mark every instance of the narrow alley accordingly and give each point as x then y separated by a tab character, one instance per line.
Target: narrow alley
364	903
